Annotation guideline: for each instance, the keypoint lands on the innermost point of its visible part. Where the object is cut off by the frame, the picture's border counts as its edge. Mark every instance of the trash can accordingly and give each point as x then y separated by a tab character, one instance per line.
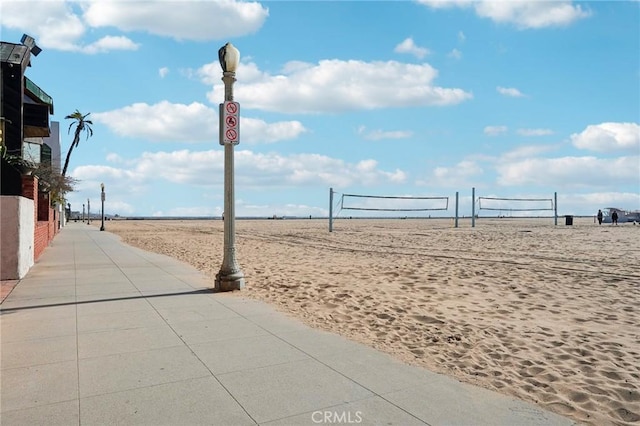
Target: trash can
568	220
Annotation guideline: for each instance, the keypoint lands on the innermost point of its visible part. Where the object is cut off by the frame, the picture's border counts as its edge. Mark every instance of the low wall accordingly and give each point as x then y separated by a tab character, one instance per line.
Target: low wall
17	230
28	224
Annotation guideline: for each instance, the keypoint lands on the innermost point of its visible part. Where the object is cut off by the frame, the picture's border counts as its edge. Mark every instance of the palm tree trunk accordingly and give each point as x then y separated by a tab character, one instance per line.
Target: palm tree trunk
66	161
76	141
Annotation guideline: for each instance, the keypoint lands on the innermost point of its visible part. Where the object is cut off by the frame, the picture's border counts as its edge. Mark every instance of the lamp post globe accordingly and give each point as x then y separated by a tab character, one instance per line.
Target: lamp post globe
230	277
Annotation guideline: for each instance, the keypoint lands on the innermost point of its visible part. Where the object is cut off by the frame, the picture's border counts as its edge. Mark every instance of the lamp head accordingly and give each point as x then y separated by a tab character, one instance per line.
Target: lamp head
30	42
229	57
102	186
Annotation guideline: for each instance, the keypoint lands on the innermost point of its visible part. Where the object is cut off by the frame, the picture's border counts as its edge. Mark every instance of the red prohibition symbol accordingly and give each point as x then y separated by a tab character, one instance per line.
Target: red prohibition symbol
232	135
232	108
232	121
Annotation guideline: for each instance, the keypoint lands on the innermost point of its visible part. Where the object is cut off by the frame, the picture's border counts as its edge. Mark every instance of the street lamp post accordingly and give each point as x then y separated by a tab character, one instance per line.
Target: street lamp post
88	212
230	277
82	213
102	199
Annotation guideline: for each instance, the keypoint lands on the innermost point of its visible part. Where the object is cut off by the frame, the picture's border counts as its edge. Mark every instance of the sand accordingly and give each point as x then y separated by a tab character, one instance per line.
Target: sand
548	314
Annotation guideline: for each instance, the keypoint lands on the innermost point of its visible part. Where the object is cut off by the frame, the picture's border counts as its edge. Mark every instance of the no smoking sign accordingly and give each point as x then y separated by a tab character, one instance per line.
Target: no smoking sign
230	123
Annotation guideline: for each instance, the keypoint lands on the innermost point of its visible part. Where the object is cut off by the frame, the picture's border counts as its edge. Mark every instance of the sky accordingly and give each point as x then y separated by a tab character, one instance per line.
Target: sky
523	100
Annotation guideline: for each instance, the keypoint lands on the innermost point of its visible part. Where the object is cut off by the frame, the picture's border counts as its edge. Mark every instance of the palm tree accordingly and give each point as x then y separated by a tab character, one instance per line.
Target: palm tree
82	124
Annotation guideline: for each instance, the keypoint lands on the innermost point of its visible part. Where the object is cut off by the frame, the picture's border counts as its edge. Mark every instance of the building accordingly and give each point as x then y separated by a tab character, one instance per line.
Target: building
29	218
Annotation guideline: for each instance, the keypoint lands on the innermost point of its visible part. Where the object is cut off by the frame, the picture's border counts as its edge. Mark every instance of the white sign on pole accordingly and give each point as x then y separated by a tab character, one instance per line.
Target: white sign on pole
229	123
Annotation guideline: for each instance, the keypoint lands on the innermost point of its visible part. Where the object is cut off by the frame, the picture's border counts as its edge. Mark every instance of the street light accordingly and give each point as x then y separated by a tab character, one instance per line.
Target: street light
230	276
102	198
88	212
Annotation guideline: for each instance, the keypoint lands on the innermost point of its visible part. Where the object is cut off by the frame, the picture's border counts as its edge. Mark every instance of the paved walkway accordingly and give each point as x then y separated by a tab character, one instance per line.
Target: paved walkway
100	333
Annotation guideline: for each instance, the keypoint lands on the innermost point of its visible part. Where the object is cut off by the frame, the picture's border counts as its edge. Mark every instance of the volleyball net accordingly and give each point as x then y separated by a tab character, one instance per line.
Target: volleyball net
515	204
505	206
383	203
524	207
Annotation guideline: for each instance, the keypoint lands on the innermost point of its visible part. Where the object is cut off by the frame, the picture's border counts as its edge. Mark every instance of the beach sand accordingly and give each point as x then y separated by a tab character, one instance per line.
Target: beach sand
548	314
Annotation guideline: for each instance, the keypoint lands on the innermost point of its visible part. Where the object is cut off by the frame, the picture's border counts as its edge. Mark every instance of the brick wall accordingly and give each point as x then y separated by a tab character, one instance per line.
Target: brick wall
46	221
41	238
30	187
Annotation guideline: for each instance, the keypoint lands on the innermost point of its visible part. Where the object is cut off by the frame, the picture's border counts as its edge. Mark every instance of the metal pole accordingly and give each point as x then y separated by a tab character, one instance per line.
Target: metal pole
88	212
330	209
456	209
102	199
555	207
82	213
230	277
473	207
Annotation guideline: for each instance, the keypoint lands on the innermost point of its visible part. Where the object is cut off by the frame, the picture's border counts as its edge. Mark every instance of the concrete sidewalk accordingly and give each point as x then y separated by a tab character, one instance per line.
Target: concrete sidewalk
100	333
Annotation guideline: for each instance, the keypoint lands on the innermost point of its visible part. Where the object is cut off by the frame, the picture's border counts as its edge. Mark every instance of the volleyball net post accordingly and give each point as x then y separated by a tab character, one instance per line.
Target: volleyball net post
473	207
457	199
330	209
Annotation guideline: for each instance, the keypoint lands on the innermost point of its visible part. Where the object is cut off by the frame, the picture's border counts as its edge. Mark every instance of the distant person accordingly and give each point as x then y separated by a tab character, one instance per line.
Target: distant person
599	217
614	218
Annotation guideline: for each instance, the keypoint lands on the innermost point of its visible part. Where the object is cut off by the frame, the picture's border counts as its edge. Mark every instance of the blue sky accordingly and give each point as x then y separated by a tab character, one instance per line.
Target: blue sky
517	99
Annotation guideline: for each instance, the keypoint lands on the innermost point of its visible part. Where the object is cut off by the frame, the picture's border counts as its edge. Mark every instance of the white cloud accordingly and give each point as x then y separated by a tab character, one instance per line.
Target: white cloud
211	73
162	72
461	37
376	135
409	46
110	43
526	152
334	86
114	158
575	172
244	209
462	174
509	91
255	131
189	20
524	14
163	121
91	172
186	212
63	25
311	170
607	137
168	122
624	200
52	23
444	4
120	183
252	170
535	132
495	130
532	14
119	207
455	54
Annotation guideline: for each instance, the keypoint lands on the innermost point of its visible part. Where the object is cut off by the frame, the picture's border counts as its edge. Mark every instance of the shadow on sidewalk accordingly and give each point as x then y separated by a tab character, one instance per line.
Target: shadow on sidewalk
113	299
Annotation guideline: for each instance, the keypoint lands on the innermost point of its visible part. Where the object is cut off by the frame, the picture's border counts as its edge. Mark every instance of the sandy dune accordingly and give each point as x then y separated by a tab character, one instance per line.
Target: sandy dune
549	314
